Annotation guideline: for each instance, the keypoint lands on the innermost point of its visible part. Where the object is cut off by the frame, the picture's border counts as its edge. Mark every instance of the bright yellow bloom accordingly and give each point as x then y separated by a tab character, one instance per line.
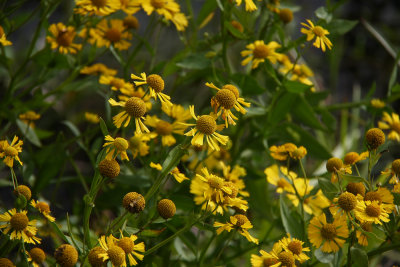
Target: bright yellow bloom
179	177
361	237
130	7
62	37
282	152
391	123
206	127
227	98
377	103
169	9
110	32
331	236
115	254
240	223
156	86
10	151
250	6
92	117
19	225
128	92
3	40
383	196
131	249
43	208
259	51
178	112
117	146
156	166
266	259
116	83
295	246
321	41
138	144
96	7
298	72
28	118
97	69
371	211
343	204
135	108
280	177
36	256
217	188
233	176
352	158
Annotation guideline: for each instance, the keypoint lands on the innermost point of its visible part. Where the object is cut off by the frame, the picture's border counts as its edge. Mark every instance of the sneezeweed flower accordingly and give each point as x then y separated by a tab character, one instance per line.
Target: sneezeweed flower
383	196
110	32
286	15
250	5
166	208
336	167
295	246
371	211
331	236
19	225
225	99
374	138
138	144
6	262
233	175
393	172
156	86
356	188
352	158
29	117
127	243
164	129
216	186
135	108
258	52
321	41
131	22
98	69
115	254
298	72
117	146
115	83
177	112
377	103
36	256
3	39
109	168
134	202
129	6
206	127
362	238
280	178
240	223
179	177
128	92
266	259
287	150
92	117
343	204
62	38
94	257
96	7
392	123
23	190
10	151
43	208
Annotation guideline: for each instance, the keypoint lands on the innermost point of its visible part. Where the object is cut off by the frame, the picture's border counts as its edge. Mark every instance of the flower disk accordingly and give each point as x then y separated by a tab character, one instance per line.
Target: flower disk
109	168
135	107
226	98
133	202
4	262
334	164
206	124
126	244
94	259
241	219
286	15
350	158
231	88
286	258
156	82
347	201
356	188
66	255
19	221
166	208
328	231
374	138
37	255
25	191
396	166
116	255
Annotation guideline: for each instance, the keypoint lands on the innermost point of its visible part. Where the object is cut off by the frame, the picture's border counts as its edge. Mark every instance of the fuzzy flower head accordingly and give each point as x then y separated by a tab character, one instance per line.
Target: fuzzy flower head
18	224
36	256
156	86
233	175
3	40
115	147
43	208
110	32
343	204
240	223
227	98
391	123
132	250
258	52
295	246
267	258
62	38
112	252
317	32
371	211
10	151
206	127
96	7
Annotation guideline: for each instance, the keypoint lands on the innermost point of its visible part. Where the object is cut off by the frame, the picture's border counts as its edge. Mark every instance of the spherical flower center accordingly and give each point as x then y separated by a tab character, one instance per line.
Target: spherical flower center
156	82
215	181
318	31
117	83
135	107
295	247
126	244
134	142
19	221
328	231
37	255
373	196
286	258
351	158
261	51
373	210
374	137
241	219
64	38
121	144
396	166
234	189
269	262
334	164
131	22
206	124
43	207
232	88
10	151
134	202
109	168
356	188
99	3
157	3
166	208
396	126
163	128
116	255
94	258
113	35
24	190
226	98
281	183
347	201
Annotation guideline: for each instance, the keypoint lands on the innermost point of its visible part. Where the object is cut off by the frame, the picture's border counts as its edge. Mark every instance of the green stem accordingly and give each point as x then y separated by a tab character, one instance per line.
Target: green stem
204	251
380	250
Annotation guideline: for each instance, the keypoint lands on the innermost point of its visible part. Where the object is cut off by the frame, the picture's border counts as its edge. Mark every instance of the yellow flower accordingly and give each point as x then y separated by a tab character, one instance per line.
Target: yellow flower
227	98
371	211
28	118
259	51
299	72
128	92
321	41
217	187
135	108
179	177
343	204
117	146
383	196
36	256
131	249
156	166
280	178
391	123
250	6
129	6
240	223
266	259
331	236
362	238
62	37
178	112
110	32
165	129
10	151
131	22
19	225
233	175
43	208
3	39
352	158
138	144
169	9
279	257
115	254
206	127
115	83
377	103
97	69
295	246
156	86
96	7
282	152
92	117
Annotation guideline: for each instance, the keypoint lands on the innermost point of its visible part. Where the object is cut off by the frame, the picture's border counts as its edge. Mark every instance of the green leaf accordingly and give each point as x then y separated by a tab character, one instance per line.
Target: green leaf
359	257
292	222
29	133
352	178
72	127
248	84
341	26
296	87
208	7
322	13
103	127
281	107
324	257
329	189
151	233
305	113
396	199
194	62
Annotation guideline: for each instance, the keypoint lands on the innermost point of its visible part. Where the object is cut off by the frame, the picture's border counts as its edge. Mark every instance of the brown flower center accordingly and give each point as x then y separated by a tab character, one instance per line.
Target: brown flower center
43	207
37	255
318	31
347	201
396	126
269	262
135	107
157	3
373	210
99	3
163	128
121	144
373	196
206	124
117	83
226	98
126	244
64	38
261	51
232	88
286	258
156	82
241	219
116	255
113	35
10	151
19	221
295	247
328	231
356	188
